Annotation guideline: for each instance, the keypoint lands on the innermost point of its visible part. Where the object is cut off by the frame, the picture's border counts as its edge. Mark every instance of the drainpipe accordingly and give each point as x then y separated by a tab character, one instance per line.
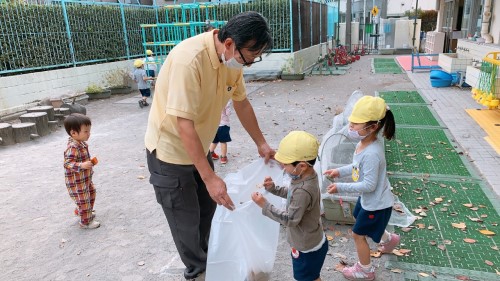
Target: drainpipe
440	17
486	22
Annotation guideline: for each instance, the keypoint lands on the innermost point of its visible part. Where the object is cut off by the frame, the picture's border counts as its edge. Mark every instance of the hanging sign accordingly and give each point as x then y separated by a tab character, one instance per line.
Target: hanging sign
375	11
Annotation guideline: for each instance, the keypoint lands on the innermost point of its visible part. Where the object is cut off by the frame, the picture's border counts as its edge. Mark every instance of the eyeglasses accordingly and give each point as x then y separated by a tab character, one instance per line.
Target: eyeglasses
245	63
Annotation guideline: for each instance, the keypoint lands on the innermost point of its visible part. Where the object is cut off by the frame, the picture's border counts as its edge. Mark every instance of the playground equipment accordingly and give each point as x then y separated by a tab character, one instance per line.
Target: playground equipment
486	91
181	22
416	54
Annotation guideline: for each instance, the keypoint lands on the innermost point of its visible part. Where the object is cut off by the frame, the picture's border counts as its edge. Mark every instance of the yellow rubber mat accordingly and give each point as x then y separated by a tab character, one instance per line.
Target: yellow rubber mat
489	120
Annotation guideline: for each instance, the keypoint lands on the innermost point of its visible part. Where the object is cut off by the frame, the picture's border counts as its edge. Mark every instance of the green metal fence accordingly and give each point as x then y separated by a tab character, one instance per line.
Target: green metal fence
65	33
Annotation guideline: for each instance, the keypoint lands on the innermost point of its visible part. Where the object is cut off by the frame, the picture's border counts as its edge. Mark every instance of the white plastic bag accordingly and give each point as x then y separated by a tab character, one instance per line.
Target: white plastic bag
400	215
243	242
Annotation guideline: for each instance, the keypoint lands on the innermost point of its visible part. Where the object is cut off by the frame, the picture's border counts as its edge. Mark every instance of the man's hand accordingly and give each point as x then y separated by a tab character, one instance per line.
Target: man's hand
218	191
266	151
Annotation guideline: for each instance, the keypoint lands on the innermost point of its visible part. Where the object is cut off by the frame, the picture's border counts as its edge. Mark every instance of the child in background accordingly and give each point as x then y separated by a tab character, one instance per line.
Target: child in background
297	153
150	63
208	26
222	136
141	78
369	173
78	169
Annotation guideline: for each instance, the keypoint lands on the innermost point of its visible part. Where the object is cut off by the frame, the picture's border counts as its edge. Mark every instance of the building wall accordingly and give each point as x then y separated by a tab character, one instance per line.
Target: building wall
399	7
495	22
18	90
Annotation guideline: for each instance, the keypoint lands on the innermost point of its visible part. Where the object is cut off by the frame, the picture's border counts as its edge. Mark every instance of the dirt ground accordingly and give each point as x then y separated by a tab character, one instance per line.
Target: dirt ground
40	236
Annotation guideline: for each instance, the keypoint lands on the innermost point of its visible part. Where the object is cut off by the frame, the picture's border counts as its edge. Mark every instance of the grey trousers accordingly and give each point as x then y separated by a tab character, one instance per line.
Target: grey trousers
187	205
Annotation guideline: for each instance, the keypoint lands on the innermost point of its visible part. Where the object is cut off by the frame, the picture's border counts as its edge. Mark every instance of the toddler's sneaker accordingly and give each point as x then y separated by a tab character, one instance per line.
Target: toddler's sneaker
145	103
141	104
356	272
76	213
215	156
92	225
223	160
387	248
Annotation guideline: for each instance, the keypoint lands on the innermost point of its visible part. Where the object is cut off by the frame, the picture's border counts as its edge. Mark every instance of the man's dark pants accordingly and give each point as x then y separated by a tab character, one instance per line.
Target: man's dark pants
188	207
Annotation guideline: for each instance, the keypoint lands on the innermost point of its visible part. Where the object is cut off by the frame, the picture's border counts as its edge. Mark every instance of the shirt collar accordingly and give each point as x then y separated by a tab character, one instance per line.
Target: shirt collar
212	53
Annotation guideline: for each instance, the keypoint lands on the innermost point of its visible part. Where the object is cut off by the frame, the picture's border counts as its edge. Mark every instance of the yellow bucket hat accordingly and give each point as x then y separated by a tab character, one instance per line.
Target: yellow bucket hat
149	52
297	146
138	63
367	109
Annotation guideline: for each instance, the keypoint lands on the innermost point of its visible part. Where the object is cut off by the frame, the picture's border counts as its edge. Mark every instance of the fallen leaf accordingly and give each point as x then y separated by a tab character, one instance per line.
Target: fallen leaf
429	157
439	199
488	262
338	233
411	155
474	208
442	247
430	227
462	277
469	240
141	177
468	205
329	238
442	185
447	242
459	225
406	229
141	263
484	216
423	214
375	254
494	248
421	225
340	266
487	232
397	270
423	274
433	242
444	209
420	198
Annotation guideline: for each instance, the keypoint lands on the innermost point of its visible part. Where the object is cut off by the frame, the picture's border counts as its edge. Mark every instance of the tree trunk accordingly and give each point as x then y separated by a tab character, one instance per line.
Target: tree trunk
6	134
45	108
23	131
40	119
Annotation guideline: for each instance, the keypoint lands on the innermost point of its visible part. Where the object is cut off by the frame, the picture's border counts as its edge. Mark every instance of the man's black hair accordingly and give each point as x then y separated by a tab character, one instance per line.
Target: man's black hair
248	30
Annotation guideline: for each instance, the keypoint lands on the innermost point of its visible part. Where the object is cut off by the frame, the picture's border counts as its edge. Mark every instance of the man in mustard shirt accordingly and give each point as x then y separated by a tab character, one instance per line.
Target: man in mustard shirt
196	81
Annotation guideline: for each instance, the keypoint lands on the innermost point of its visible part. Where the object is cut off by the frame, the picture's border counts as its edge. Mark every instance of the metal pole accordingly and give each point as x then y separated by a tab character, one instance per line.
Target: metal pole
311	20
291	26
68	33
124	25
300	27
415	24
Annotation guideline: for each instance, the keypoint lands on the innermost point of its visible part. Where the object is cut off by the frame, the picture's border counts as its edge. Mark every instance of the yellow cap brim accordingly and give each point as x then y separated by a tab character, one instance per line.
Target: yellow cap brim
282	159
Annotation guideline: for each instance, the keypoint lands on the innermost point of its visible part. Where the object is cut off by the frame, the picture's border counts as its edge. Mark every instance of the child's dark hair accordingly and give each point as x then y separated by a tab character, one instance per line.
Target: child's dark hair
74	122
387	123
311	162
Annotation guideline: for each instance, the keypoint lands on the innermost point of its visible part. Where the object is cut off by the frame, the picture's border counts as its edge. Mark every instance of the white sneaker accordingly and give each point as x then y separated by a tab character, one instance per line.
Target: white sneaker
92	225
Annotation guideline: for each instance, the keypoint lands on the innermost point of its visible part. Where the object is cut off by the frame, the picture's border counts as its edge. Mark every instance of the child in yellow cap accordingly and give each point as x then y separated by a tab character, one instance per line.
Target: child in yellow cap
141	78
369	173
297	154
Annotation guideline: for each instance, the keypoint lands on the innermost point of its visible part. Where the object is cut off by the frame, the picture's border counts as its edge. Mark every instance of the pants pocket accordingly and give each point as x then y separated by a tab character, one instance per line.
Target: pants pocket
168	191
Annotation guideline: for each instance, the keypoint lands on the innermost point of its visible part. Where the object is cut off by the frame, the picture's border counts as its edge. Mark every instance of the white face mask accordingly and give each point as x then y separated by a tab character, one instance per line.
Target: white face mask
232	62
354	135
